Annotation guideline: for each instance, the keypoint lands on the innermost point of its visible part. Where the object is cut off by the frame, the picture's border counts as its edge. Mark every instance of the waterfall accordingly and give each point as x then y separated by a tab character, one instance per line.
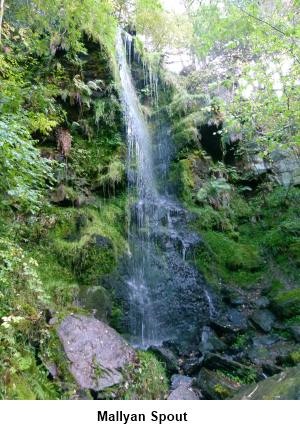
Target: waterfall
164	293
142	189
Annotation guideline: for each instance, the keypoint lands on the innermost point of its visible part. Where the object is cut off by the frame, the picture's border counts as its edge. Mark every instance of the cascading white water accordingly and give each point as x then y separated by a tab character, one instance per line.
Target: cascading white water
142	191
165	295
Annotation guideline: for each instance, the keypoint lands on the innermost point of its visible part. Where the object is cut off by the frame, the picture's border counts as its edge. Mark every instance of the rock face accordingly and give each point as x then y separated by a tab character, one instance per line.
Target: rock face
286	166
97	353
284	386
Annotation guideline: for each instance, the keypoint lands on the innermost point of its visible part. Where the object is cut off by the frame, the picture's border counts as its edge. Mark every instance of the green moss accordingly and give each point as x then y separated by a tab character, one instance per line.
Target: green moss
97	298
287	303
223	258
89	241
221	391
58	282
295	357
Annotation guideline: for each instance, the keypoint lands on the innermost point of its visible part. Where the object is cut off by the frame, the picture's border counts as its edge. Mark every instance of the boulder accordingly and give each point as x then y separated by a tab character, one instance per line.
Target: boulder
180	380
286	304
286	167
232	322
97	353
263	319
284	386
215	385
269	352
224	363
183	393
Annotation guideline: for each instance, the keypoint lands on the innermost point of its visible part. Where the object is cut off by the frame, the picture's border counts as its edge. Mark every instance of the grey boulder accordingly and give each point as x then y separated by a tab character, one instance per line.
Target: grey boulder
97	353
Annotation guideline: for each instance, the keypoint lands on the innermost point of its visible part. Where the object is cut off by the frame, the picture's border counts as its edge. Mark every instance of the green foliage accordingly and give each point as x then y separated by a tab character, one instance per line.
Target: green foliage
62	24
24	175
295	357
246	78
20	284
213	189
23	301
147	379
247	378
99	162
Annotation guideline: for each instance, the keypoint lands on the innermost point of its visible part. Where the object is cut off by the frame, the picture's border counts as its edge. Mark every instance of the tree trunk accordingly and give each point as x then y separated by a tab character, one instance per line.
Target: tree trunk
1	16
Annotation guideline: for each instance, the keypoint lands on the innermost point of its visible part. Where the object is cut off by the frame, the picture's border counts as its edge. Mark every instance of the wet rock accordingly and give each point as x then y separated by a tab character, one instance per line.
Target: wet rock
233	322
269	352
225	363
97	353
192	365
167	356
210	341
263	319
183	393
284	386
231	297
180	380
295	331
262	302
216	386
238	301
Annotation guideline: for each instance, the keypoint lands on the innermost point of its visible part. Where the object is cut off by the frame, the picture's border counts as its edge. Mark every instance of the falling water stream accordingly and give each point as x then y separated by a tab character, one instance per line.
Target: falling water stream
166	297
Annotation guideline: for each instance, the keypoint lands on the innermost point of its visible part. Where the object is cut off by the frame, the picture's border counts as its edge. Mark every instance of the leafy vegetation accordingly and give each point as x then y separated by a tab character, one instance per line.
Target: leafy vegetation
62	166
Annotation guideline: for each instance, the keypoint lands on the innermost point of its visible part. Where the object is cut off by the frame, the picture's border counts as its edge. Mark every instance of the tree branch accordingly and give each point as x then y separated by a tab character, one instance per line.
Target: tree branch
262	21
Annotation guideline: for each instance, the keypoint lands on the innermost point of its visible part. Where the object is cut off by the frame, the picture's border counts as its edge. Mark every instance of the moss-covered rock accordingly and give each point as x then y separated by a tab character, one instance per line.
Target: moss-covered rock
233	261
284	386
88	241
215	385
97	299
286	304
